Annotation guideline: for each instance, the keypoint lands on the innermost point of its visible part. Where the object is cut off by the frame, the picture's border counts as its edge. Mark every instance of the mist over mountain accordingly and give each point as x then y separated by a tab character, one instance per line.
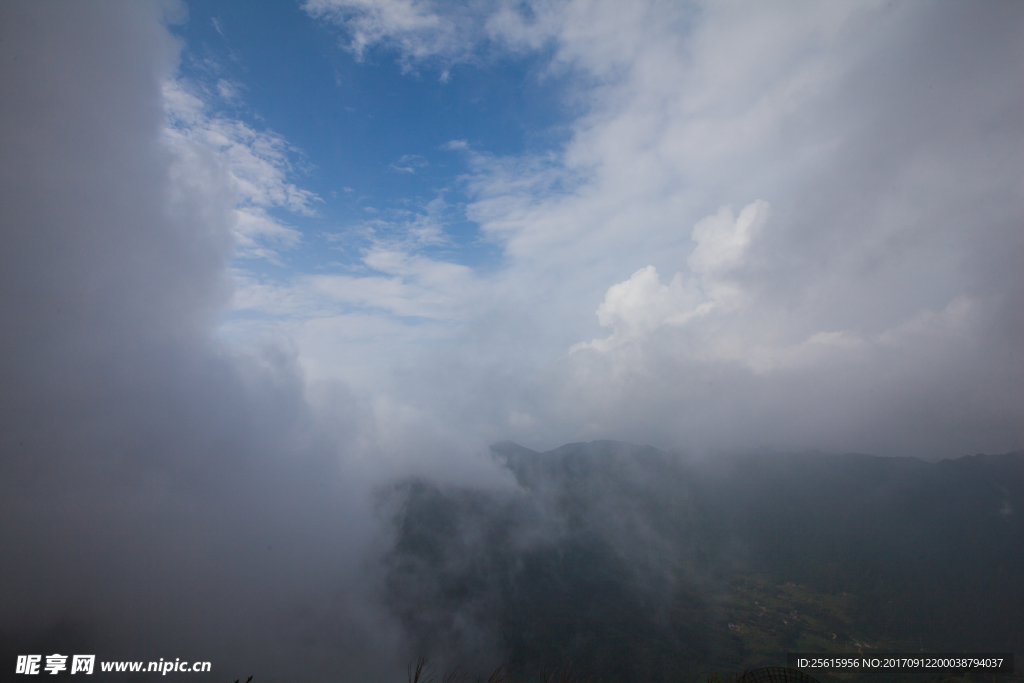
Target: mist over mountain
627	560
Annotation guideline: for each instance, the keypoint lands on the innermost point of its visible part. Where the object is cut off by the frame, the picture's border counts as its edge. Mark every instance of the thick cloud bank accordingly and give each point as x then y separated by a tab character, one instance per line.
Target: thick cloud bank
162	496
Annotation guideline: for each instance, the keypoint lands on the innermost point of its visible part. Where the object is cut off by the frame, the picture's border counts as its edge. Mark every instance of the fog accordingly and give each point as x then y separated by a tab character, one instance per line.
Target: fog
163	495
825	257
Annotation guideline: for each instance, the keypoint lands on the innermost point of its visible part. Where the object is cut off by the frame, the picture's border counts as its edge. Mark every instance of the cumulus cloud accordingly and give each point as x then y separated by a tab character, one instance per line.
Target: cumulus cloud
641	304
722	239
879	137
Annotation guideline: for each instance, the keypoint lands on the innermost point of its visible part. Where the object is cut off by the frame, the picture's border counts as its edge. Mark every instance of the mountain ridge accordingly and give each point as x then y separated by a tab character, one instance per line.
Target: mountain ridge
647	564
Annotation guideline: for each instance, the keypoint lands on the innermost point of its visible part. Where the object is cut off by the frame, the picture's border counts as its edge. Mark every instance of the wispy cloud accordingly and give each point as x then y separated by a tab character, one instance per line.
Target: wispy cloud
439	33
411	25
408	163
258	165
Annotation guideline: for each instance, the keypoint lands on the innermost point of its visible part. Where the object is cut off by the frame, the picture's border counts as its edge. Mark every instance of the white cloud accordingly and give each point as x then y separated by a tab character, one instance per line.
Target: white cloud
408	163
412	286
425	31
256	164
411	25
639	306
229	92
723	238
888	191
401	229
255	230
404	285
869	285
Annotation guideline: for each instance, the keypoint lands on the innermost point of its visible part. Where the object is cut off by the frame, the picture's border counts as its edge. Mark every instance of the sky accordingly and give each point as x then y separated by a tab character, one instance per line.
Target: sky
262	259
703	227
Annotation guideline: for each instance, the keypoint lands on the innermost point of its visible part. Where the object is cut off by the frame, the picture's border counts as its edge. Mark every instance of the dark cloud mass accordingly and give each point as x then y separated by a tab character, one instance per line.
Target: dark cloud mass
162	496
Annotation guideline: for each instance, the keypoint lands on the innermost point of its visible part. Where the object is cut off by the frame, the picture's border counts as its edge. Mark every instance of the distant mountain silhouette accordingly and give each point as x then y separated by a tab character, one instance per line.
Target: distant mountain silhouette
634	564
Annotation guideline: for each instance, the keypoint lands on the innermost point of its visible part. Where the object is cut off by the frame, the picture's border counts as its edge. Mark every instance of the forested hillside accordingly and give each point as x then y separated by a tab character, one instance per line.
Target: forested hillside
633	564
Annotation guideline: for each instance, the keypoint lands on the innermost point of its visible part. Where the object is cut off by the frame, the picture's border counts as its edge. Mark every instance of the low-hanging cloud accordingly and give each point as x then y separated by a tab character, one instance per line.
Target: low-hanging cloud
164	494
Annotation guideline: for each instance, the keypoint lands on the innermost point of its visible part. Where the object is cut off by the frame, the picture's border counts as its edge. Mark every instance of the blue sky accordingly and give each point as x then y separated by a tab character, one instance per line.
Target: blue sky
368	135
650	221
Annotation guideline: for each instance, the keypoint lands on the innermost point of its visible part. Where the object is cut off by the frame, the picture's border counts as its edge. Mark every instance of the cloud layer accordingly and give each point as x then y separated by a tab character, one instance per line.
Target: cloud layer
829	193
